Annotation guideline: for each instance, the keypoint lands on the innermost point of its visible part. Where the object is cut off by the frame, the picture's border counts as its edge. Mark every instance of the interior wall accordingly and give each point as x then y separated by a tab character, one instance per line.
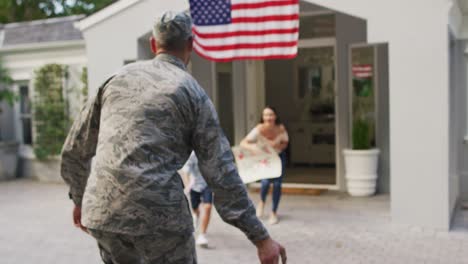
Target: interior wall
279	83
255	91
239	83
224	95
464	157
383	121
457	126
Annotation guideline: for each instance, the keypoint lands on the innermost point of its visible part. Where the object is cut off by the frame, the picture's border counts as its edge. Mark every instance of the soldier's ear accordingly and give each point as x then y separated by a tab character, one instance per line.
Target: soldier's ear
153	45
190	44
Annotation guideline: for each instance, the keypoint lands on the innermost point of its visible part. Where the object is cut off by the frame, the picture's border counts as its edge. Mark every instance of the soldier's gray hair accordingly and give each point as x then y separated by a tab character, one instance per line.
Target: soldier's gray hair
172	30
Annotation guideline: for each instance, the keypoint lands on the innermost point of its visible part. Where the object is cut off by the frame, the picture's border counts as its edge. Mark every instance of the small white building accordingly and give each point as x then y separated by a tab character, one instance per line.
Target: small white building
24	48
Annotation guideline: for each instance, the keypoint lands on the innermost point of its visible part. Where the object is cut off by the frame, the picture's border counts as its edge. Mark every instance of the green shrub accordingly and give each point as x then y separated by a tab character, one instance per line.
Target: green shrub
50	111
84	81
5	81
6	95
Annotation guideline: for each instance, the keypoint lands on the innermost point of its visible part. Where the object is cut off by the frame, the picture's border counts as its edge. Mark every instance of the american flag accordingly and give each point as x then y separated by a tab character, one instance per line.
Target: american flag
226	30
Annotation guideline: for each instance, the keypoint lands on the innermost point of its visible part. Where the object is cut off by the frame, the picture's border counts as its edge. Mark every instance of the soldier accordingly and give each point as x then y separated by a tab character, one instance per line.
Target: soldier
141	128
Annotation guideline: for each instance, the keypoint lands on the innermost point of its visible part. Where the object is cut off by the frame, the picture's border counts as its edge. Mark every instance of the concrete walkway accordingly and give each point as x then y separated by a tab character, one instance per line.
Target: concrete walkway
35	227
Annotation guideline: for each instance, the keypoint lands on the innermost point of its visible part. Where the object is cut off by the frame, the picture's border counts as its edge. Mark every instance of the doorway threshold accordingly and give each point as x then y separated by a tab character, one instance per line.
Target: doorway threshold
296	188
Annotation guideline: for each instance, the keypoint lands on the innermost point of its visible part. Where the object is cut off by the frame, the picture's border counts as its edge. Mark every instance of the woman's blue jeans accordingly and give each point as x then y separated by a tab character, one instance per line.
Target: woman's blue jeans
276	185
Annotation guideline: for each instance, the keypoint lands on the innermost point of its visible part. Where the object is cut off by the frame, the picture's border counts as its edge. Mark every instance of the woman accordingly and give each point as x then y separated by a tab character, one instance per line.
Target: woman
274	133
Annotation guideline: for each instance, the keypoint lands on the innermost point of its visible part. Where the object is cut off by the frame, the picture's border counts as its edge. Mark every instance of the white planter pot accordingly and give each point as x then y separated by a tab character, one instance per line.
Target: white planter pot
361	171
8	160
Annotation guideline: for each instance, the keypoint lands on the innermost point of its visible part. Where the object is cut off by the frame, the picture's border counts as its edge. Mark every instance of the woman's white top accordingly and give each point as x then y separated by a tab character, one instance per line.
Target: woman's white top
254	135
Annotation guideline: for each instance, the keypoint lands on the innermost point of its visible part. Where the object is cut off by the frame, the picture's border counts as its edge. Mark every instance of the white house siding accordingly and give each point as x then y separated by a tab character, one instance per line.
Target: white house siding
114	40
419	96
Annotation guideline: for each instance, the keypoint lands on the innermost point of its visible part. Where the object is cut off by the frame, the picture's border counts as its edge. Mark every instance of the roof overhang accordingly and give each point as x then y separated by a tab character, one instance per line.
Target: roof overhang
104	14
43	46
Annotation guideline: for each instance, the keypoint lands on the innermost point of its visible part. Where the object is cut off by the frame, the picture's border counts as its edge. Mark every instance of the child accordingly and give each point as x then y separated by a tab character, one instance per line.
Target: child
200	193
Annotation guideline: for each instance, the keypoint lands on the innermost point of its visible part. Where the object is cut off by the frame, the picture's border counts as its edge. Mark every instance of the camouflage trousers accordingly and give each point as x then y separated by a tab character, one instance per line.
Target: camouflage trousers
146	249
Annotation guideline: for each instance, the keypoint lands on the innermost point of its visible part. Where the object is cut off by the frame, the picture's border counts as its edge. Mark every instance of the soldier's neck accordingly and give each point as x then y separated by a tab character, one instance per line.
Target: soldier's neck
177	54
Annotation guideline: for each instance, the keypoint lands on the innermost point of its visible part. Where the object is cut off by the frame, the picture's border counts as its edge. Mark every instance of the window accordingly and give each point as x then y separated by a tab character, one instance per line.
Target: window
25	115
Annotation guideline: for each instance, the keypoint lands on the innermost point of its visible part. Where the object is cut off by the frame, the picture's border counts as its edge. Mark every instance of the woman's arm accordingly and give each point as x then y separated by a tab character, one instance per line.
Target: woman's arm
283	143
250	145
250	141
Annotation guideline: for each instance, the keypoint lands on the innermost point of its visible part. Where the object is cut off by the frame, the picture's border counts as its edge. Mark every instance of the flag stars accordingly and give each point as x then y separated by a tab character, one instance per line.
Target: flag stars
210	12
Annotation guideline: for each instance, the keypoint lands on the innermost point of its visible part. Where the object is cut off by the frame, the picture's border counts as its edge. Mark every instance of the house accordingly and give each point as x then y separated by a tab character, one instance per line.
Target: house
24	48
412	55
418	48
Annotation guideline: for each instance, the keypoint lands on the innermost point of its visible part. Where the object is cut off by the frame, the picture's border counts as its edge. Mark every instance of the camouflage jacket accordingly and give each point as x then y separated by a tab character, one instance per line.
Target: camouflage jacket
138	131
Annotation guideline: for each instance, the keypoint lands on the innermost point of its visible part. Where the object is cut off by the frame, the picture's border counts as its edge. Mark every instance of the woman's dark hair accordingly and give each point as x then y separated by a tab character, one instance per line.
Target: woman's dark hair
277	121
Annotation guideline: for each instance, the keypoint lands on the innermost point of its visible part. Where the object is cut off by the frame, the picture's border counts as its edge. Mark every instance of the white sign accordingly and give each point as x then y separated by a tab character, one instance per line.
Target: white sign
254	166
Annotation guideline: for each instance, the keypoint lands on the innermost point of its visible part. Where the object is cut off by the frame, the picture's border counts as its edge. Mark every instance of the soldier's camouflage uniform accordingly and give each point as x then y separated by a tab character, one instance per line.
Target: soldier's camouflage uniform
141	128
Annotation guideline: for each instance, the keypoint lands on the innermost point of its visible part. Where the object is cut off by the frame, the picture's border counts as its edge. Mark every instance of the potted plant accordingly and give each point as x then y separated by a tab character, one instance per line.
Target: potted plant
361	161
8	148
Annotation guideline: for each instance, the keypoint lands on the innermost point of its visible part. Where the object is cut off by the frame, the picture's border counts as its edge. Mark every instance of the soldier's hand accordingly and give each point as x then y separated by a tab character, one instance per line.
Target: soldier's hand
77	218
270	251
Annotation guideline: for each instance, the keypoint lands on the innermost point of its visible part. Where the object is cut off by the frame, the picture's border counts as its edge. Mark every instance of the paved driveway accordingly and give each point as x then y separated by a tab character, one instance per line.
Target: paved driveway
35	227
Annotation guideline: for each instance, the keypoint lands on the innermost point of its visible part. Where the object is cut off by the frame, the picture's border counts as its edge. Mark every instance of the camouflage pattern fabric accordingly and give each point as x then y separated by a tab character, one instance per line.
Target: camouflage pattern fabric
147	249
141	128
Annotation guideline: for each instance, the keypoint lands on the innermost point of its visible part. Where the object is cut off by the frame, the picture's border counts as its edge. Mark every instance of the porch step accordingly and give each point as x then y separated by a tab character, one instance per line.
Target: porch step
293	191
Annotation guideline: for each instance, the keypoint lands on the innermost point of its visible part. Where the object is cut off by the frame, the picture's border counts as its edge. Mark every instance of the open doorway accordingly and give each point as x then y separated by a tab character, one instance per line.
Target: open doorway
305	97
311	94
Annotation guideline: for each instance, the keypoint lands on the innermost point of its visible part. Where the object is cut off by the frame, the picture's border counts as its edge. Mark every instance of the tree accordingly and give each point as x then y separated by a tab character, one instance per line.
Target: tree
26	10
86	7
21	10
